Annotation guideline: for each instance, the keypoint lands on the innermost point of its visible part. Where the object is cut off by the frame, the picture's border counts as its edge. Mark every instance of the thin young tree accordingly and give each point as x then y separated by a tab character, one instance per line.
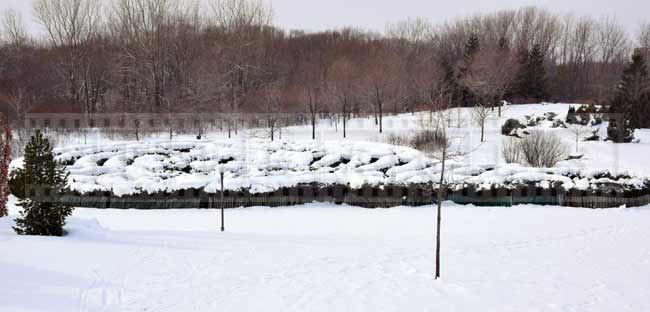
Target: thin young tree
443	147
481	114
579	132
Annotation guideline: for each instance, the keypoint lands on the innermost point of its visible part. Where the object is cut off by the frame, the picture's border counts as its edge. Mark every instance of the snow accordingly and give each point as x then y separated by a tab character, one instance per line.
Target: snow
320	257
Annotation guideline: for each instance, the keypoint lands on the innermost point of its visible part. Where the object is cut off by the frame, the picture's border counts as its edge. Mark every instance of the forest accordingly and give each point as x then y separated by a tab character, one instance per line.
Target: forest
227	56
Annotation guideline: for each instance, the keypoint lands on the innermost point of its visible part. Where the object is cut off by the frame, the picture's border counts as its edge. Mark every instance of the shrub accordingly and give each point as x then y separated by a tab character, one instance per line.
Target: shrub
398	139
511	151
429	141
558	124
510	125
542	149
619	131
571	117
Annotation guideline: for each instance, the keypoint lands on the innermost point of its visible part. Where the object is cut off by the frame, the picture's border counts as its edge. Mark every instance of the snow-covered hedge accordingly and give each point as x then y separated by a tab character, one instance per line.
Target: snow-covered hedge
259	166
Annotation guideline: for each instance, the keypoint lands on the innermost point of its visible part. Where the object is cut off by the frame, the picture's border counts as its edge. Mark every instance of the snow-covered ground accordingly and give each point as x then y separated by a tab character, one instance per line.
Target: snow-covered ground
321	257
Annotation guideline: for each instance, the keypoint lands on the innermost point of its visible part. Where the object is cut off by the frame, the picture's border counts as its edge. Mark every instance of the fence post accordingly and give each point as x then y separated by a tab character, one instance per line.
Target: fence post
223	226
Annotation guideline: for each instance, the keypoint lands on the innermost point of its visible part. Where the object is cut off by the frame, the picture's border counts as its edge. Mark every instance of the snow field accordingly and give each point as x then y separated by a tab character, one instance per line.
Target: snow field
320	257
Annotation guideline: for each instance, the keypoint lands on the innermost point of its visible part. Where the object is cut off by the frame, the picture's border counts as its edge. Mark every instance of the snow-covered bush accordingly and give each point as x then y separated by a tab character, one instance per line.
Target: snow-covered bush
511	151
510	126
543	149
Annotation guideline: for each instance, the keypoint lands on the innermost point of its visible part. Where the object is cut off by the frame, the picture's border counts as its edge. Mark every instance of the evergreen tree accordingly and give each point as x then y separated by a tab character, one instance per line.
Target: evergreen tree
537	73
630	107
532	75
460	91
472	45
44	181
5	160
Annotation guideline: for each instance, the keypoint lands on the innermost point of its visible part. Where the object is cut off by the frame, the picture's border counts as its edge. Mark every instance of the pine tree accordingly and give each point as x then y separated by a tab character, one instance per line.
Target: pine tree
631	104
532	76
44	179
460	91
537	73
5	160
472	46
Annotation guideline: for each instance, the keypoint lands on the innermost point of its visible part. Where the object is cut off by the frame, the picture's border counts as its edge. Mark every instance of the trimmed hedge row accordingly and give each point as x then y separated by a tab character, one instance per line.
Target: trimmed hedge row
367	197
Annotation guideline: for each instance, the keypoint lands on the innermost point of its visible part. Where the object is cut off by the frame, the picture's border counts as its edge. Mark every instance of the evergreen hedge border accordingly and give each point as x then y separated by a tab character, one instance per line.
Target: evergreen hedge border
367	197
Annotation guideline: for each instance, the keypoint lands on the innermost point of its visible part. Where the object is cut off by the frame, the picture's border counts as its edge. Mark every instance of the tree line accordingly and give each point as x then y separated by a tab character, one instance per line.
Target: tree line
227	56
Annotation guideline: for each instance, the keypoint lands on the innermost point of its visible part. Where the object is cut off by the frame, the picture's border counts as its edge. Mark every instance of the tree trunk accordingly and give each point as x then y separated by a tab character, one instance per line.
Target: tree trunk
441	190
483	131
344	126
313	126
381	118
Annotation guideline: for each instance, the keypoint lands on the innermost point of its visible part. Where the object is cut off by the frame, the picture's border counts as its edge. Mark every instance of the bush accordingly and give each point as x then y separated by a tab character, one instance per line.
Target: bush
620	131
397	139
542	149
510	125
558	124
511	151
429	141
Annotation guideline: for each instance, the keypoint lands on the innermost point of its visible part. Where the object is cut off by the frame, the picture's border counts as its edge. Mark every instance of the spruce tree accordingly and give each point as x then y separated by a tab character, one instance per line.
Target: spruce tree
44	180
537	73
461	92
531	82
630	106
472	46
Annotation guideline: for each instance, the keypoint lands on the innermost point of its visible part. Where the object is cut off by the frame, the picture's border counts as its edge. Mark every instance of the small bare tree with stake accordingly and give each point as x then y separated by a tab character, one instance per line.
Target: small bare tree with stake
579	132
443	147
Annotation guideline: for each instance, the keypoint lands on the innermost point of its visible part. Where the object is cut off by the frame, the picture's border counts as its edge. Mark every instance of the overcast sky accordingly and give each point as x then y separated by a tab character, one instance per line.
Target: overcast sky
316	15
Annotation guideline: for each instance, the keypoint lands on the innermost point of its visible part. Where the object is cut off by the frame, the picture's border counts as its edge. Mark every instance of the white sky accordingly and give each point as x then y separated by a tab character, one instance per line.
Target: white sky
316	15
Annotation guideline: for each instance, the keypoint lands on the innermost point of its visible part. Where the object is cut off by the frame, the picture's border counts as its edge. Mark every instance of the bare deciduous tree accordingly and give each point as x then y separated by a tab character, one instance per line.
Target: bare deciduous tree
579	132
13	28
71	25
481	114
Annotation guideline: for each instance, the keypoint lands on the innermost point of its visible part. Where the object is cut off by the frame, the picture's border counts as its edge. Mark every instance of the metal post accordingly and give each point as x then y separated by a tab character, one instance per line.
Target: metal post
223	228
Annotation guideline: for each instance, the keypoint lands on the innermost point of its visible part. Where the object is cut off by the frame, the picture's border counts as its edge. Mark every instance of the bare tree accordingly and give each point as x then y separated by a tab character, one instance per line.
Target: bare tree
13	27
379	82
491	74
341	86
579	131
481	114
273	106
643	39
71	25
243	23
21	101
442	147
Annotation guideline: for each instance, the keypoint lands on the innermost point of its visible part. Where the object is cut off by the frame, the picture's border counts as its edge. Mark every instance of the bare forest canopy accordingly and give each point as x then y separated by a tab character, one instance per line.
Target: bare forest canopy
167	56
